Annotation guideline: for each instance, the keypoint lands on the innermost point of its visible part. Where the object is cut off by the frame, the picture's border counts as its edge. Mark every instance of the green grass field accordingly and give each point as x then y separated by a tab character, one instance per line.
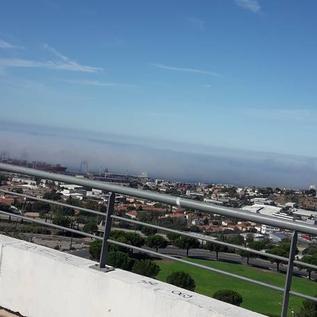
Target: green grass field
256	298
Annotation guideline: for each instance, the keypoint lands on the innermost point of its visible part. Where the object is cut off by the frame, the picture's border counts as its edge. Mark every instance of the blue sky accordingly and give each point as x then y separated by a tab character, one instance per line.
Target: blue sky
238	74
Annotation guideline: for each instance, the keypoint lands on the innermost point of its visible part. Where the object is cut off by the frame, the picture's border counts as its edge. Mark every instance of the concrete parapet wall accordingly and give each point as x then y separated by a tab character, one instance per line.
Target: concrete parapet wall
40	282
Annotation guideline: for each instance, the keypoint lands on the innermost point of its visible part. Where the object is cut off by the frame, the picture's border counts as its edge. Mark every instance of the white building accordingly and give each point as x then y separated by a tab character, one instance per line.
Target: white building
262	209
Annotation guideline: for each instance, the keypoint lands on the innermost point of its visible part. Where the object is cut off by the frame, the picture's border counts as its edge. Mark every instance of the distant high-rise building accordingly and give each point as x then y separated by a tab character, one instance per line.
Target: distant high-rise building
84	167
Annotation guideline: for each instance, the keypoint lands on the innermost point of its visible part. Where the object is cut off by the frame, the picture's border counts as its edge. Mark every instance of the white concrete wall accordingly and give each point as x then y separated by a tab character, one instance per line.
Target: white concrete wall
40	282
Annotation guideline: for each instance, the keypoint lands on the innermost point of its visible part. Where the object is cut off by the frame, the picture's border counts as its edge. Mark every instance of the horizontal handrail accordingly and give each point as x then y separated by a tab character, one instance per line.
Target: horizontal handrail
188	234
48	224
53	202
303	296
167	199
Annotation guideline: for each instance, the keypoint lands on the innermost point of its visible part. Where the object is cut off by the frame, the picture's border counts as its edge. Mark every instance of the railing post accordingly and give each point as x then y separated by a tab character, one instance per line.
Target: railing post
106	234
289	274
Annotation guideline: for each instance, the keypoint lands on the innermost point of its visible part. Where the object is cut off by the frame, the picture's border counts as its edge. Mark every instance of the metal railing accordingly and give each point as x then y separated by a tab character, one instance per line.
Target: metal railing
293	226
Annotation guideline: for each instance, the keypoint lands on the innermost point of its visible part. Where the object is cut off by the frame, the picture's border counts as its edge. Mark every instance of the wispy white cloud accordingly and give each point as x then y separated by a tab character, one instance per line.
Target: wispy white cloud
58	62
186	69
55	65
56	53
197	23
299	115
251	5
97	83
68	64
7	45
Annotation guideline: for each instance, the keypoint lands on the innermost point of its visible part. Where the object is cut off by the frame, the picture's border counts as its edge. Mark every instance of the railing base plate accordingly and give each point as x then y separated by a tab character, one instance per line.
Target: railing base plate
105	270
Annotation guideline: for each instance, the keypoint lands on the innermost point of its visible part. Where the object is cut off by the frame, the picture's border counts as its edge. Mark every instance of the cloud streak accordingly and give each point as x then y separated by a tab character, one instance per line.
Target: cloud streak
299	115
7	45
251	5
97	83
58	62
186	70
55	65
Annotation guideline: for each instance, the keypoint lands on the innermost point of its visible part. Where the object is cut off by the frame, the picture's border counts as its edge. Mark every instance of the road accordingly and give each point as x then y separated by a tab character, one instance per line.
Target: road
208	255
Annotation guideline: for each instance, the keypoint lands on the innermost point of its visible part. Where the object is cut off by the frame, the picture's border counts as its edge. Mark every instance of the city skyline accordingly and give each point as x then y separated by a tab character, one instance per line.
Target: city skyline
170	160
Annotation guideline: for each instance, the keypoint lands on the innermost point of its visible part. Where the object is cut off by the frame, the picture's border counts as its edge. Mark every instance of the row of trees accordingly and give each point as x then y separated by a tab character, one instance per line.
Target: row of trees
120	258
156	241
280	249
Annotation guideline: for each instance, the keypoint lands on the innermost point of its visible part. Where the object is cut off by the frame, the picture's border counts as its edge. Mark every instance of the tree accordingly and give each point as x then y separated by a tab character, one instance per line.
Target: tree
95	249
255	245
178	223
181	279
236	239
134	239
187	243
128	237
282	249
194	229
277	250
61	220
216	248
120	260
156	242
172	236
249	238
68	211
229	296
41	207
259	245
148	231
74	201
119	236
310	259
53	195
91	204
311	192
146	268
310	250
246	254
115	234
91	227
115	258
309	309
18	190
3	178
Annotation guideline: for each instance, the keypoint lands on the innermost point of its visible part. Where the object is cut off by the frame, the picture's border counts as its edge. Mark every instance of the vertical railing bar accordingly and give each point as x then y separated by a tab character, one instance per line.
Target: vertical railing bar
289	274
106	234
